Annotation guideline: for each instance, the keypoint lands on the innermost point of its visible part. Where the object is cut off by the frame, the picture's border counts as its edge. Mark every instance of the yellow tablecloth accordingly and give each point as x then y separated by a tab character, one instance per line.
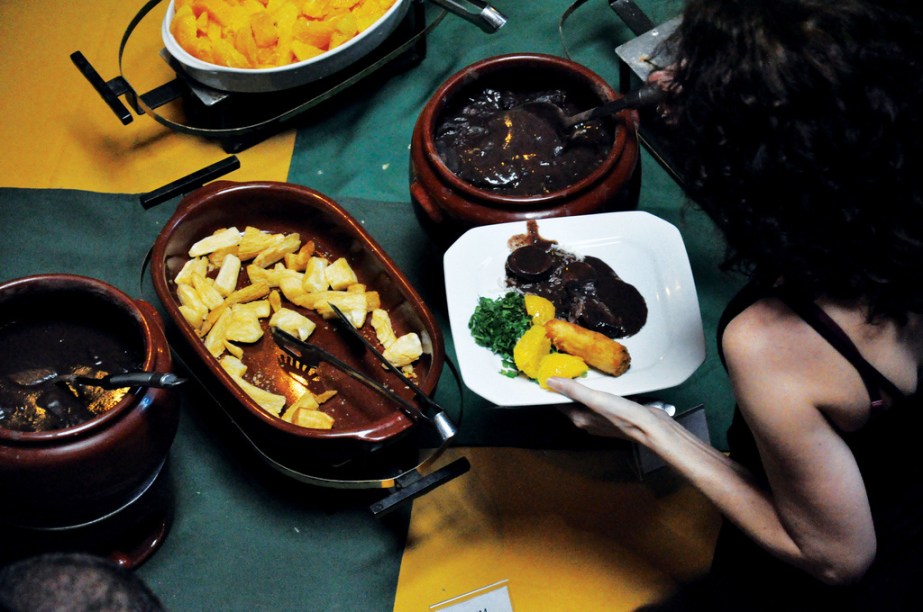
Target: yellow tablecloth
58	133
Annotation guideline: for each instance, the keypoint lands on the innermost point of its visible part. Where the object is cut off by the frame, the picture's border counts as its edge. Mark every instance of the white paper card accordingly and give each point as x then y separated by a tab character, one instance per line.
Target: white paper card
492	598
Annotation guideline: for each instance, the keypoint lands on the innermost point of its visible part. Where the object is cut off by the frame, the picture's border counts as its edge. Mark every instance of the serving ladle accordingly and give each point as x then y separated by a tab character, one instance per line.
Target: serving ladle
163	380
564	123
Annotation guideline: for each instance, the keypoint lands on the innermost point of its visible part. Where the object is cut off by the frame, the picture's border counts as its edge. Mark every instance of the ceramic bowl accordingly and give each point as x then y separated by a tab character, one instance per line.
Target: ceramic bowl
364	420
261	80
448	205
74	476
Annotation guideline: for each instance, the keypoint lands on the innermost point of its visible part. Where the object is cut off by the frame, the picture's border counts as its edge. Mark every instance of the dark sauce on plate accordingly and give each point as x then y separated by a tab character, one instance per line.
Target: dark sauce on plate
34	347
490	143
584	290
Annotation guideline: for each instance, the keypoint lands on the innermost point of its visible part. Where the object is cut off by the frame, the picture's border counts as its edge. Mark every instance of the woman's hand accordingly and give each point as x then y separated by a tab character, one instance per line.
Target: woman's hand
604	414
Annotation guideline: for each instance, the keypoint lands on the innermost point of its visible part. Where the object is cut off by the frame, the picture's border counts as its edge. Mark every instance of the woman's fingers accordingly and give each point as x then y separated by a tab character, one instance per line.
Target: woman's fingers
599	401
591	422
608	414
592	419
575	391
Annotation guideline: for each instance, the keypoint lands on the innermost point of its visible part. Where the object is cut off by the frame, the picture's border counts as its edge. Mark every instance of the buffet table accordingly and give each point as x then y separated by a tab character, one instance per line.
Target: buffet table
563	522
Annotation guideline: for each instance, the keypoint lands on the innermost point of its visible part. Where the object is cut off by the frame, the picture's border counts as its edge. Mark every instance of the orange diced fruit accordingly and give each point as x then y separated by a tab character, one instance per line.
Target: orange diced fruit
561	365
345	25
183	27
244	43
530	349
540	309
253	7
314	33
285	17
239	18
273	26
337	39
316	9
217	10
202	22
305	51
264	30
226	55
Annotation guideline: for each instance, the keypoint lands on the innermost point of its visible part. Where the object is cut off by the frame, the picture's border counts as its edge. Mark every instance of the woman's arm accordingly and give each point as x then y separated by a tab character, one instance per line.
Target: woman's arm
815	514
785	376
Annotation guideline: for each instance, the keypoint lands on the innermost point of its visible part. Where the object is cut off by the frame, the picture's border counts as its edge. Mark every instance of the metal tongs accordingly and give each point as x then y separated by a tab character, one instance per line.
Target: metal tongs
410	483
305	353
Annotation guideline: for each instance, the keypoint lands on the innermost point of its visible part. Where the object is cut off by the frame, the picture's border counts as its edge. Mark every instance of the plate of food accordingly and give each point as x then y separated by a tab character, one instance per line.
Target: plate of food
612	290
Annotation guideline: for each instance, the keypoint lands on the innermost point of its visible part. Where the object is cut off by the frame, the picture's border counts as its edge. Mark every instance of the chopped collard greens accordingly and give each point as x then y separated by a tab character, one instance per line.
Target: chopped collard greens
497	324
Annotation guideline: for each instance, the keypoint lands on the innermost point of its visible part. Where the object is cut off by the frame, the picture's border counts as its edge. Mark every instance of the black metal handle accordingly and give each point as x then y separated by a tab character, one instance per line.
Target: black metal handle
632	15
414	485
104	89
161	380
636	98
434	413
189	182
354	333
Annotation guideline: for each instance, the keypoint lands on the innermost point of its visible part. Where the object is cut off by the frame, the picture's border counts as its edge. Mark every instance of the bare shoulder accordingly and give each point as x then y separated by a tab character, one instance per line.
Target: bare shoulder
774	357
769	337
787	381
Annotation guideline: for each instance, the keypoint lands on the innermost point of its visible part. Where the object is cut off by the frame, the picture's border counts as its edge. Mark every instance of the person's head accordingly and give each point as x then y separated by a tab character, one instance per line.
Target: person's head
803	119
77	582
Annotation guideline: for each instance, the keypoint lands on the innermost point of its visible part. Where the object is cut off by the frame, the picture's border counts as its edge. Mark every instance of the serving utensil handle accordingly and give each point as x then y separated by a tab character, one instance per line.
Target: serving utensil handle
161	380
436	414
477	12
636	98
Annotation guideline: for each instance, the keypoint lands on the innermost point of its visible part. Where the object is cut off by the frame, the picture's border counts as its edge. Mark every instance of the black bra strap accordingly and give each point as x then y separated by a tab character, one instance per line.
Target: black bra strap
812	314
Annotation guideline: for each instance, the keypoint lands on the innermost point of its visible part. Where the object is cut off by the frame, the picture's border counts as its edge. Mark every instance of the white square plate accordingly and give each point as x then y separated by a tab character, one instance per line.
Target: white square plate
642	249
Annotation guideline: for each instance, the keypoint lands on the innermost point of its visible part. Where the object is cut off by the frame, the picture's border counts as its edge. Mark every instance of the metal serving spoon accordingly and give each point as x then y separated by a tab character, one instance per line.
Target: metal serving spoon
31	378
637	98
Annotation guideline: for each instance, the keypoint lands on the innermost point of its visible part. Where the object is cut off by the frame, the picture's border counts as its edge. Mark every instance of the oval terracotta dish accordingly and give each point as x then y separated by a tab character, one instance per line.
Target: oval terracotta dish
363	420
63	480
449	205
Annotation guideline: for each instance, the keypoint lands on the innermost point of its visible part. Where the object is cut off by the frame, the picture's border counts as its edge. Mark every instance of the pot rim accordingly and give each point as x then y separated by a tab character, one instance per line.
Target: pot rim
488	65
120	298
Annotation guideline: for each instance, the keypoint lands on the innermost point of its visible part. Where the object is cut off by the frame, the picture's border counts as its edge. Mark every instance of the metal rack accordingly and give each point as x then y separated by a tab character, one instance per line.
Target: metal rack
240	120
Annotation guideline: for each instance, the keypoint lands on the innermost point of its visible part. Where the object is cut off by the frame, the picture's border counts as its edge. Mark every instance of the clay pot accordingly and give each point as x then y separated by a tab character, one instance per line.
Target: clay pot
66	479
365	421
447	206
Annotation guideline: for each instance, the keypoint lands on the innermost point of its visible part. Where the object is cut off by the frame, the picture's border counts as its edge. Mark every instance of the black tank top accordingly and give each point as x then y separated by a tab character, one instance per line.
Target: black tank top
889	453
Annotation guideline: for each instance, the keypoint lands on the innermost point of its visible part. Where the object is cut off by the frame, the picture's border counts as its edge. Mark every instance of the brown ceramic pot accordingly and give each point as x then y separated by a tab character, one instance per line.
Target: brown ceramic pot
69	478
447	205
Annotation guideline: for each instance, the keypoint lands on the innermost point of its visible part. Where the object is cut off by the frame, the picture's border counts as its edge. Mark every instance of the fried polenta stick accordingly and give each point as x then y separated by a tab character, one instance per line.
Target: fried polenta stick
596	349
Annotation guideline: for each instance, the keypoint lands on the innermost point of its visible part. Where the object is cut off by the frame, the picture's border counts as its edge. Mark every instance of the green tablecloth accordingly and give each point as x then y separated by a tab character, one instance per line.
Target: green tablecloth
237	522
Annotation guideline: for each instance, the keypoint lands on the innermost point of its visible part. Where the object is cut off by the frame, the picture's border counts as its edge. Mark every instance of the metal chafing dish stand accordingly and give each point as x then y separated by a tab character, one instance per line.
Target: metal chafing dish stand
240	120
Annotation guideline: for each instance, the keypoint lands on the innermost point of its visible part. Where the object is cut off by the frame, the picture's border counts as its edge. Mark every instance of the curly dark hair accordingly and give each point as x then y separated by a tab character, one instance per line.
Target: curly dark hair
804	119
